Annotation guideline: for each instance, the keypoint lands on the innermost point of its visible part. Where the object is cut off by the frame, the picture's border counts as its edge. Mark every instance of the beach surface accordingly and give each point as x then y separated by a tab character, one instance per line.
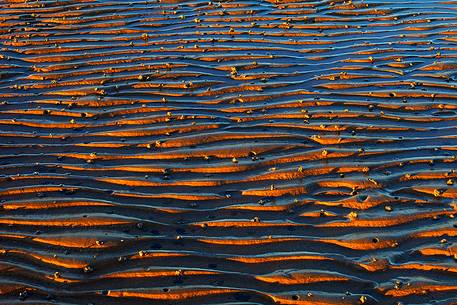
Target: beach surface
246	152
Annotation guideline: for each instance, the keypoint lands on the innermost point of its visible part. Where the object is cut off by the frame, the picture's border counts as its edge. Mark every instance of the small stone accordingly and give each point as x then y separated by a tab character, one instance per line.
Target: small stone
88	269
436	193
352	215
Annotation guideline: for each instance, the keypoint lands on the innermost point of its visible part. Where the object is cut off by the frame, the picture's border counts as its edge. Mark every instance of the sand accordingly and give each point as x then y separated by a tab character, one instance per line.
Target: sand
232	152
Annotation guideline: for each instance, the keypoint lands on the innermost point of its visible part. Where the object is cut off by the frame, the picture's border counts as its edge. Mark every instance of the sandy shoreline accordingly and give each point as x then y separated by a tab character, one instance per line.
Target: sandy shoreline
233	152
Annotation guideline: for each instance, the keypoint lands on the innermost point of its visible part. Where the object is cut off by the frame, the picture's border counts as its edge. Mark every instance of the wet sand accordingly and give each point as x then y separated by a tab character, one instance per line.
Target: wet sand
233	152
